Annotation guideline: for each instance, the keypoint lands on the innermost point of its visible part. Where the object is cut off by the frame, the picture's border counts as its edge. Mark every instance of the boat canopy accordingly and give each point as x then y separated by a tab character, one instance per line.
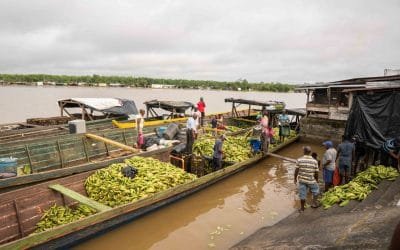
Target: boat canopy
175	107
274	106
109	107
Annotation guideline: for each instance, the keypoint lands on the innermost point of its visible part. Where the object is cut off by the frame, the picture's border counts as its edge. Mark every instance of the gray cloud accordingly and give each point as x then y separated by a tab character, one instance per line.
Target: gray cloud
289	41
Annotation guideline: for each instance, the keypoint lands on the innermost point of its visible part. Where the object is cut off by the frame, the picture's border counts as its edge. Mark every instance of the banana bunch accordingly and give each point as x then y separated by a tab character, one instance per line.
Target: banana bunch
343	194
359	187
236	148
232	128
59	215
110	187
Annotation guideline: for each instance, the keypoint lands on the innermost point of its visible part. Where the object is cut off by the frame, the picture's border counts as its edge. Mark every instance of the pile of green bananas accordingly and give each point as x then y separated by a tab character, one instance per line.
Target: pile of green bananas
232	128
59	215
110	187
359	187
236	148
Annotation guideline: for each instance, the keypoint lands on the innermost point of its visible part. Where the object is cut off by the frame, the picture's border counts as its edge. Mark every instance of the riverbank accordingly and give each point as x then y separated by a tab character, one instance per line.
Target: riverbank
360	225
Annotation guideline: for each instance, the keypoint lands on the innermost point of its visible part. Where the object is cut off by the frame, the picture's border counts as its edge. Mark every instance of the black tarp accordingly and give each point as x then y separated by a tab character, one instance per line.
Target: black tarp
374	117
128	107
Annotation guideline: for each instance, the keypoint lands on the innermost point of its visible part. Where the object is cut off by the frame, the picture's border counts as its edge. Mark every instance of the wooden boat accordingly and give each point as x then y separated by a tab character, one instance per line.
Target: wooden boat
60	156
22	209
132	124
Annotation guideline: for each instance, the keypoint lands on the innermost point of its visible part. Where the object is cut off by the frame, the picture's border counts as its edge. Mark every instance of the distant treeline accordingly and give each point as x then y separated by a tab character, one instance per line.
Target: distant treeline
145	82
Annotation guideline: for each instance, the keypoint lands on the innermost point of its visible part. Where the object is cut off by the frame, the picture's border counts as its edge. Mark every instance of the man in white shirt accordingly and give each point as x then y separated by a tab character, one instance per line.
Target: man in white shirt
139	128
191	130
328	164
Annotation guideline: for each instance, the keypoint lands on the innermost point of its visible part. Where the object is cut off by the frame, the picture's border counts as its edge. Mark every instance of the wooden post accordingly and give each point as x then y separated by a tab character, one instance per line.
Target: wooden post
60	154
20	228
29	157
85	149
124	137
329	102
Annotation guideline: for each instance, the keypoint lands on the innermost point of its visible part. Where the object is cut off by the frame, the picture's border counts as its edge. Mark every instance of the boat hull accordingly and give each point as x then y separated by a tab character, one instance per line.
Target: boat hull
71	234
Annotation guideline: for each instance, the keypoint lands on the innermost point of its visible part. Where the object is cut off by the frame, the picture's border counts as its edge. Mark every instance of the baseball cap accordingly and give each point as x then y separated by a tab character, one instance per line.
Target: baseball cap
328	144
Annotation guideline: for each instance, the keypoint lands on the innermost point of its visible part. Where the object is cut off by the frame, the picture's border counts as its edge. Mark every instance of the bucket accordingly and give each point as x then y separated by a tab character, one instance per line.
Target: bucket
160	131
8	165
171	131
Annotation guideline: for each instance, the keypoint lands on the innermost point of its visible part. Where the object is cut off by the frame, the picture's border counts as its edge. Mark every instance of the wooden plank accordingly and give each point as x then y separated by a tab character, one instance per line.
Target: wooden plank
283	157
111	142
80	198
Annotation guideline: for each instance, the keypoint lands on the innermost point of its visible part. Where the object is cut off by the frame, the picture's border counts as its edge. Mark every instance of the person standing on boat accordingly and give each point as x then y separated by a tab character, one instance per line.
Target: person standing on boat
345	155
214	124
198	115
284	126
139	128
265	133
191	130
217	155
201	106
328	164
306	174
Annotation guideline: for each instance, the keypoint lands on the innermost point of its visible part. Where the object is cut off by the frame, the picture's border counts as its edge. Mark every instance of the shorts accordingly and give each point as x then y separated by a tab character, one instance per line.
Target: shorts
344	168
328	175
314	188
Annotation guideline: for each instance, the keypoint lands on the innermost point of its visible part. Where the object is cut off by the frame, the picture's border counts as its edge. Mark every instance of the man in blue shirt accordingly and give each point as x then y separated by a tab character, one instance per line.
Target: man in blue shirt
217	156
191	130
390	152
284	126
345	155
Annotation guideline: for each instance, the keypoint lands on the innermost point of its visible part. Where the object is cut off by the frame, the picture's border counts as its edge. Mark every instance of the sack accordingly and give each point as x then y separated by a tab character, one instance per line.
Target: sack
336	177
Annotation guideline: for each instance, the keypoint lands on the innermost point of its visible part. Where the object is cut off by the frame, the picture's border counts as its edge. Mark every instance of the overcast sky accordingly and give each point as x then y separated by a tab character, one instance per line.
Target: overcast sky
264	40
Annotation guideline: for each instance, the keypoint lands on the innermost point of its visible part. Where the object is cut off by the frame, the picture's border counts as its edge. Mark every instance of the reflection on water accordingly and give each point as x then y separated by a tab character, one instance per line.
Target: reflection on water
257	197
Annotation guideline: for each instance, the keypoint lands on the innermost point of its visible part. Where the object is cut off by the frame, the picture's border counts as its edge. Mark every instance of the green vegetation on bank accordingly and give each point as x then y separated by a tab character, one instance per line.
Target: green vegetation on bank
144	82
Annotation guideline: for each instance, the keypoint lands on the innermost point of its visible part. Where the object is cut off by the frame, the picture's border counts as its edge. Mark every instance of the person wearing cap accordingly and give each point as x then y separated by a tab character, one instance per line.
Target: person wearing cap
201	106
328	164
218	152
345	156
265	133
390	152
306	173
191	130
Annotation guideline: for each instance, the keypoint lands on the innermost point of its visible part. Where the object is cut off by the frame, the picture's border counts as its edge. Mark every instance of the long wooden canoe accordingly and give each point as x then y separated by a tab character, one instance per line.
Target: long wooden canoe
28	132
21	209
56	157
132	124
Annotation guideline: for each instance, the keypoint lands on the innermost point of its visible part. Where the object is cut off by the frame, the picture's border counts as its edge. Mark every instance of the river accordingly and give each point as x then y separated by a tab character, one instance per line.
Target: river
21	102
257	197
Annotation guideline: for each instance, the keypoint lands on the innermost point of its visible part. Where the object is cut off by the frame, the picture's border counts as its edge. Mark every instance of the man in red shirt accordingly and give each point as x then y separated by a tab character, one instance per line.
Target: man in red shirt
201	105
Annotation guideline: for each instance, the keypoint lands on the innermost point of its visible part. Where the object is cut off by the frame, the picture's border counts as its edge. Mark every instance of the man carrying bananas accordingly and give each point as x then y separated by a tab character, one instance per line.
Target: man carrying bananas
218	153
307	174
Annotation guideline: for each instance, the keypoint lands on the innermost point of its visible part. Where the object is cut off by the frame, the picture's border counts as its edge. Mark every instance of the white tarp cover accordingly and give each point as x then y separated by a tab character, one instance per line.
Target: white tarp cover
99	103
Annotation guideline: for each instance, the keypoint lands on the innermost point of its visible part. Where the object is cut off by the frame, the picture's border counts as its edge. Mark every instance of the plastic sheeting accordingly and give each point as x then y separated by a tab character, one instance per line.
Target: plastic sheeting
374	117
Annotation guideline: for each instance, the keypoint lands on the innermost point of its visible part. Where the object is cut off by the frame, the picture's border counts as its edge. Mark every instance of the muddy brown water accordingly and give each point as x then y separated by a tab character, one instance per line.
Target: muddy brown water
257	197
17	103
